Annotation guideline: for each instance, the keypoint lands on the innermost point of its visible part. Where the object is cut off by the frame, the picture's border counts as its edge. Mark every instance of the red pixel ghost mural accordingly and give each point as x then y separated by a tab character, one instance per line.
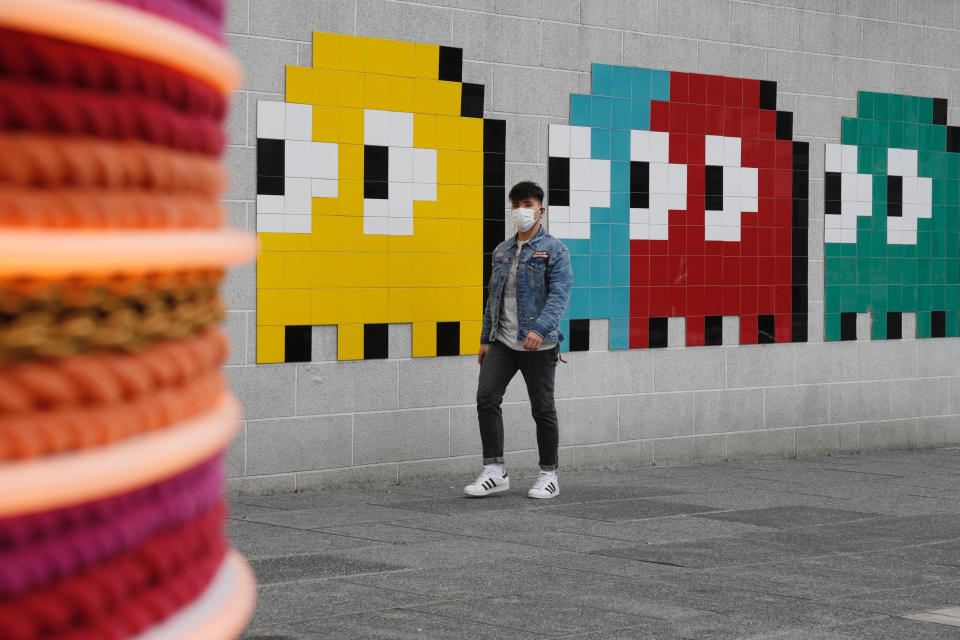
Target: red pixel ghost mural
692	190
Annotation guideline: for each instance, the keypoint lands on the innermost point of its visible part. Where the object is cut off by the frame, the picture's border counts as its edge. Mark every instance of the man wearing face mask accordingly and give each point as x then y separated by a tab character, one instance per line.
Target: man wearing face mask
528	290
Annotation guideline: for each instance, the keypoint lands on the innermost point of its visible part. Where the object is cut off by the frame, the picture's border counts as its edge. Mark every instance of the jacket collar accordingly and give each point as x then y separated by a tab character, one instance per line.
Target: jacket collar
533	242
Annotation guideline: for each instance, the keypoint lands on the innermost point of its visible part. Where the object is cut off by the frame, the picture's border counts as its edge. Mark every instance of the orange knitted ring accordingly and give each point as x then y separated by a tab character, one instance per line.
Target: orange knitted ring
87	208
44	161
34	434
106	378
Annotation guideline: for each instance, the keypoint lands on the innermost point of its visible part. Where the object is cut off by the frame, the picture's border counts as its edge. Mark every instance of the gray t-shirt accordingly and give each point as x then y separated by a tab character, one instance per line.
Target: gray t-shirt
508	325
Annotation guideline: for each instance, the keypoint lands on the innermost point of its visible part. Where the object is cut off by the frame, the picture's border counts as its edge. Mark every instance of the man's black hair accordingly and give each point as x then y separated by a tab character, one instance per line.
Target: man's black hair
526	189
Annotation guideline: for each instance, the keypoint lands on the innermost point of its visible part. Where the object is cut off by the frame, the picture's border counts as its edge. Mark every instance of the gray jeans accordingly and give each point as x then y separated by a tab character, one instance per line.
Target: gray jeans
538	368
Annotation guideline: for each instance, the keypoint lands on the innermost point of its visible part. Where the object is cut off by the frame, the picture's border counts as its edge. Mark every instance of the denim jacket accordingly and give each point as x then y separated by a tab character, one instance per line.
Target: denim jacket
544	278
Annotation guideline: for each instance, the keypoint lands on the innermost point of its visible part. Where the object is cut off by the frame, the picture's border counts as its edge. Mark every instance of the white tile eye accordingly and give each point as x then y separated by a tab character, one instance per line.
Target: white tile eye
411	173
400	226
902	162
310	168
558	141
271	120
579	142
856	195
297	195
677	180
375	225
400	164
667	185
324	160
854	198
425	168
713	150
916	196
323	188
731	152
848	155
296	159
270	204
299	121
387	128
659	146
270	222
589	181
425	191
833	159
296	224
640	146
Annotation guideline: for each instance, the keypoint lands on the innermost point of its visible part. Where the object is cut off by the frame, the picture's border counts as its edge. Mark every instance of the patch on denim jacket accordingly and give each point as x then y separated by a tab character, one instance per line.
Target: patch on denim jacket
499	254
540	254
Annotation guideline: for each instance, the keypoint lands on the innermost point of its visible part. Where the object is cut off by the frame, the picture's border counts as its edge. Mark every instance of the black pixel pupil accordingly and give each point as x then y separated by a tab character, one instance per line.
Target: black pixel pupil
713	177
558	174
894	196
375	171
639	185
832	194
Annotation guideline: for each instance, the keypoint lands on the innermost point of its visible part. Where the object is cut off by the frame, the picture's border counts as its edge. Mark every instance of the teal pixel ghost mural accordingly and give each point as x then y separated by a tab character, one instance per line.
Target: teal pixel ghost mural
892	219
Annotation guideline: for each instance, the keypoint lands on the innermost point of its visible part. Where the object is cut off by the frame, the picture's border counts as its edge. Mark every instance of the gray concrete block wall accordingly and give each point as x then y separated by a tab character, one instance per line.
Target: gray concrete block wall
326	423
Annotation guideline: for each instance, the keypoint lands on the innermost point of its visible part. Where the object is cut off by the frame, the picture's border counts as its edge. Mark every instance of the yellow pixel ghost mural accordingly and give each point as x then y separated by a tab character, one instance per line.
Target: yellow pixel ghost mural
380	195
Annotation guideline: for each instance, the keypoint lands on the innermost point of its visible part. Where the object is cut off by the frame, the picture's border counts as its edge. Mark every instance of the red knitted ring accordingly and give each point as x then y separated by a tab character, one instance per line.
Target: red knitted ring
16	531
24	105
177	563
48	61
40	561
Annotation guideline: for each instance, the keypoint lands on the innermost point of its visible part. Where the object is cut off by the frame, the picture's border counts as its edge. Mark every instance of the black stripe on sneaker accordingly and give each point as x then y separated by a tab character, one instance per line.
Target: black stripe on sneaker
487	484
550	488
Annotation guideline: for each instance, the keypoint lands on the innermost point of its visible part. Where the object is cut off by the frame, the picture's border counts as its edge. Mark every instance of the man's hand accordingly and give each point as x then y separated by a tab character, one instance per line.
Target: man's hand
532	343
483	352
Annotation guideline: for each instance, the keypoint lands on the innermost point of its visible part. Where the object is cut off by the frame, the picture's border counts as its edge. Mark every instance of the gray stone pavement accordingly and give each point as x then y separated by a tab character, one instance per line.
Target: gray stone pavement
819	549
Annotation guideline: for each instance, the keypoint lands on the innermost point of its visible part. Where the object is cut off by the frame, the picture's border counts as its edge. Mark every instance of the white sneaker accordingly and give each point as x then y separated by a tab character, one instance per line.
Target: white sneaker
490	480
546	486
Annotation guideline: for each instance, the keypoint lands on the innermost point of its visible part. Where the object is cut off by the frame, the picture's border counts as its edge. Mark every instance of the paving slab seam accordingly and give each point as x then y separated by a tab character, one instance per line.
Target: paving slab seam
536	506
750	536
340	578
440	615
521	544
686	569
353	524
529	598
808	527
878	591
421	593
254	504
412	608
846	595
324	532
596	535
287	527
634	519
284	623
382	542
593	634
908	546
564	531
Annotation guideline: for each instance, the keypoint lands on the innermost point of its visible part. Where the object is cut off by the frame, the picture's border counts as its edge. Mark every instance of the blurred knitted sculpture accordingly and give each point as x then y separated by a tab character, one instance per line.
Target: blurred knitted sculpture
114	413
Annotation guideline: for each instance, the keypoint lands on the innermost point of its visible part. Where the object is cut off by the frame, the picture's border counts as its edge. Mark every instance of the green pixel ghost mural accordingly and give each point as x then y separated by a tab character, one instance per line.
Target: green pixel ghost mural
892	219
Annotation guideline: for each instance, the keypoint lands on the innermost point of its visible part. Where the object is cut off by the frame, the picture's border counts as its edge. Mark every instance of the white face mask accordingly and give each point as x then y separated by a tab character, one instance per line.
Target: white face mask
524	219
